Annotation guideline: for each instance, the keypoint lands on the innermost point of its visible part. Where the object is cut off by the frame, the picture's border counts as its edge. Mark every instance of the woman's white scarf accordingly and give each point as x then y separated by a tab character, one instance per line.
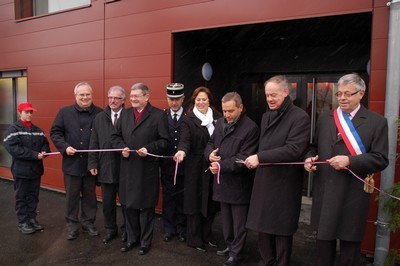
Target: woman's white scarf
206	119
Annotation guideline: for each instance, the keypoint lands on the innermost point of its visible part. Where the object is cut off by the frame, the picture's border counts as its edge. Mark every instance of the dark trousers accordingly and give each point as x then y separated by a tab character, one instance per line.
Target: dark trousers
199	229
234	227
26	198
80	194
275	249
140	225
174	220
109	197
349	253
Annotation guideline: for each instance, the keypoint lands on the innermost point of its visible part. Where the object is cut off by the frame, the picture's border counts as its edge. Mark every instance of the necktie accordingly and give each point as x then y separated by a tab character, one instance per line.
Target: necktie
115	120
175	119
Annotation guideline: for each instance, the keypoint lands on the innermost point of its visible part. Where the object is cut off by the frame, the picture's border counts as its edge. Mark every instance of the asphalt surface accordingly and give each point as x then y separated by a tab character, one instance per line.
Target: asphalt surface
50	246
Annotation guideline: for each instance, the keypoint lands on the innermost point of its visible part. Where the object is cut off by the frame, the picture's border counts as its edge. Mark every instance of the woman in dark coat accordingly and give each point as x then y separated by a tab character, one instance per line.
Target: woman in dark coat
200	209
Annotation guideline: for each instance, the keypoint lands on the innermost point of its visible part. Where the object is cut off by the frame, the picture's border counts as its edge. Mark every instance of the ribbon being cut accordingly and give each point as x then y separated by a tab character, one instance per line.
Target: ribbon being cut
368	184
115	150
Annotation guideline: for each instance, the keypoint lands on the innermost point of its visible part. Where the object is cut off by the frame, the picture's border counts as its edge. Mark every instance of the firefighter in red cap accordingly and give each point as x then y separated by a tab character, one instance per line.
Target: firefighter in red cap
27	145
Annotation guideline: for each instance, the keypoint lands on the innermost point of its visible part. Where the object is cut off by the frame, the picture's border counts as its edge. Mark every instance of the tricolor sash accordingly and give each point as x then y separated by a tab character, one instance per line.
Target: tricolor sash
348	132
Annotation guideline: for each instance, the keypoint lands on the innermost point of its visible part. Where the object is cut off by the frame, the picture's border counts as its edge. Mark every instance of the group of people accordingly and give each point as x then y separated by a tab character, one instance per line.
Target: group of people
251	174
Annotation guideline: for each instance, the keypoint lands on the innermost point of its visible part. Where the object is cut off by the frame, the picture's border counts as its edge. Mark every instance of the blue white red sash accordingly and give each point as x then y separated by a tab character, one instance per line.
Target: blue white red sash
348	132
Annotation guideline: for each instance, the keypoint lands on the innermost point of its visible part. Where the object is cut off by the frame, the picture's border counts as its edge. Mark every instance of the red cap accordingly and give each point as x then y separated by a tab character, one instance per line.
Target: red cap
25	107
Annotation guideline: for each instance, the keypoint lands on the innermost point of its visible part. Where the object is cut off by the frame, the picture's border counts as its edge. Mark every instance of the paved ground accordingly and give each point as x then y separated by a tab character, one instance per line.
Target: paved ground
50	246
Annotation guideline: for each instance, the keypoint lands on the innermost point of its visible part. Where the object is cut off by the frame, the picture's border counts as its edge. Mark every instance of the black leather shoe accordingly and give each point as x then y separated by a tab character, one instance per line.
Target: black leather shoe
182	237
231	262
127	247
224	252
72	235
212	244
167	237
143	250
34	223
91	230
109	237
26	228
124	236
201	249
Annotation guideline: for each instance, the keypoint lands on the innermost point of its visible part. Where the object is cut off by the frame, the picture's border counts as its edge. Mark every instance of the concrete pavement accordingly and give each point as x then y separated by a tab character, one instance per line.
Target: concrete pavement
50	246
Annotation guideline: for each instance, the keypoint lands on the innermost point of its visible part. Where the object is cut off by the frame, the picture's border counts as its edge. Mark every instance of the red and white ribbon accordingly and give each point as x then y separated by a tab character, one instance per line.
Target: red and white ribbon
324	162
114	150
217	175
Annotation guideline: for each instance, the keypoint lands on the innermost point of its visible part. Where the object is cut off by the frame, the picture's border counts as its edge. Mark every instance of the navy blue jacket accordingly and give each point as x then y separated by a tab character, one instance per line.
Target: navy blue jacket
24	144
72	127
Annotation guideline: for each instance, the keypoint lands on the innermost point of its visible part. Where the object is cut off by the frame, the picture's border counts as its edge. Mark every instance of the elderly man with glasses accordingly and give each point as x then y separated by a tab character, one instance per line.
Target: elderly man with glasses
349	137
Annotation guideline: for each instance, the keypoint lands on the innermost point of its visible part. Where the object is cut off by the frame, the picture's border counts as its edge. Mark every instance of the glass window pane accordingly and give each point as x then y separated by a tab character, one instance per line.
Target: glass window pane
21	85
6	117
7	104
325	98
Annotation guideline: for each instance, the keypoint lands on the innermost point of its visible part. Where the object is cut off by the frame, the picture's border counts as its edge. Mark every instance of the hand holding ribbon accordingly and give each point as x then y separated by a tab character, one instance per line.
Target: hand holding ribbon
309	165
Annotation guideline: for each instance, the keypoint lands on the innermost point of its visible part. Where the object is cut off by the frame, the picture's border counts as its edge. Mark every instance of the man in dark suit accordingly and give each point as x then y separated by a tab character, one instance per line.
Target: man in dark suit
71	132
174	219
105	165
276	197
143	129
340	204
235	138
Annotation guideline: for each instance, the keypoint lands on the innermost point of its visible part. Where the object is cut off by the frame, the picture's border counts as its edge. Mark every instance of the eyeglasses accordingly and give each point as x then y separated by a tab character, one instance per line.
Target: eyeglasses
114	98
137	96
346	94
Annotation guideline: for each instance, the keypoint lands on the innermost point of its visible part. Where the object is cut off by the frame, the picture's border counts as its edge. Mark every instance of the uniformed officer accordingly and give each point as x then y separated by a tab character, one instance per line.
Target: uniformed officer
27	145
174	220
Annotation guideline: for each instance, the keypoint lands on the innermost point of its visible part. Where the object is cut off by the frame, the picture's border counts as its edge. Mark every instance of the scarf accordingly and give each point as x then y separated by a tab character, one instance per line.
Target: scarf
28	124
206	119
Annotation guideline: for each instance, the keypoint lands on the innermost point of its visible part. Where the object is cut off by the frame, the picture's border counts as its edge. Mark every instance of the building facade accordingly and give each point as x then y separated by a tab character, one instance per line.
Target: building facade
47	47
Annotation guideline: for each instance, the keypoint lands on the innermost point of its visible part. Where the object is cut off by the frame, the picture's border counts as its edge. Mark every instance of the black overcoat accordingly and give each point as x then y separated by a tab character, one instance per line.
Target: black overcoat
194	138
72	127
139	182
106	163
276	197
241	141
340	204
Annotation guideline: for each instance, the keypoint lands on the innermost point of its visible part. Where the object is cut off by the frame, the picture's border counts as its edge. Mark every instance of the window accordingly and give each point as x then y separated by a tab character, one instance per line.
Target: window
13	90
32	8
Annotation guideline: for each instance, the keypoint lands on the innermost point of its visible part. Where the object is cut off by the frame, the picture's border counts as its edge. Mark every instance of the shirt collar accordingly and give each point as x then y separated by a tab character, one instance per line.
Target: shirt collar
179	113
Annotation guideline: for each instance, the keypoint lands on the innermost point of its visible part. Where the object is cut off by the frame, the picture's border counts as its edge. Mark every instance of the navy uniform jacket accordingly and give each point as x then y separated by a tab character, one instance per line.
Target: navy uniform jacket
24	144
174	134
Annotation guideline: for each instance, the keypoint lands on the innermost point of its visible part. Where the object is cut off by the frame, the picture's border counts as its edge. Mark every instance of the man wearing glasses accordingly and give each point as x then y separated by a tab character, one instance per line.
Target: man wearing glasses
70	133
349	137
143	129
105	165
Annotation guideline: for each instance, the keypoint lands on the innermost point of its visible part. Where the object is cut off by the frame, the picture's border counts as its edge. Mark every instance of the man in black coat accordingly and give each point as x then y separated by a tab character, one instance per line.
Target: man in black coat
70	133
27	145
340	204
143	129
276	197
235	138
173	217
105	165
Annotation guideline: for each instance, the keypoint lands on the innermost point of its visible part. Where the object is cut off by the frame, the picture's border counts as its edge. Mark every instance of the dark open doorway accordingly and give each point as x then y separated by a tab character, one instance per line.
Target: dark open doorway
313	53
243	57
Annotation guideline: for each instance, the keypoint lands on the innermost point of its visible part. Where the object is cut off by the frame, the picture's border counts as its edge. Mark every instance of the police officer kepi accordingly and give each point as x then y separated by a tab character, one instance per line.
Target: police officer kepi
174	220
